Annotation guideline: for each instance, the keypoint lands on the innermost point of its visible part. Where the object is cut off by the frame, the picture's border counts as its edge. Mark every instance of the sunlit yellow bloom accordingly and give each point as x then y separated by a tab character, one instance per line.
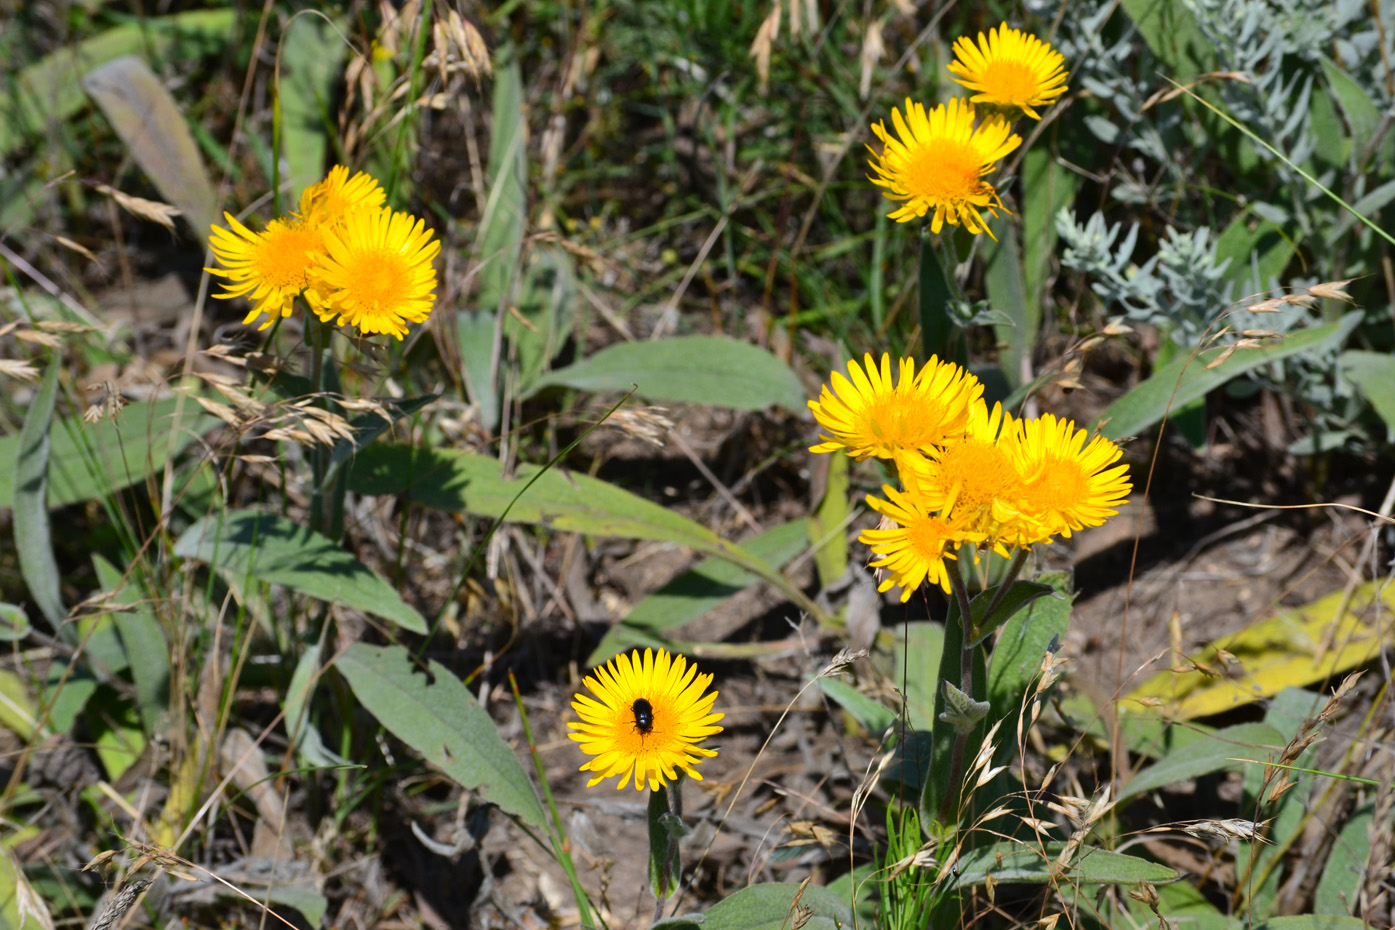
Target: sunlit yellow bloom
648	742
914	547
939	163
1009	71
973	481
269	268
329	202
1067	479
869	416
376	273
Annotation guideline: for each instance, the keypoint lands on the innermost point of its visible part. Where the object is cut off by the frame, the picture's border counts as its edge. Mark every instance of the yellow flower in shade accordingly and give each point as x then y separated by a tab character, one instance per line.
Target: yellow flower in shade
330	201
269	268
913	548
376	272
1067	479
973	482
647	719
869	416
939	162
1009	71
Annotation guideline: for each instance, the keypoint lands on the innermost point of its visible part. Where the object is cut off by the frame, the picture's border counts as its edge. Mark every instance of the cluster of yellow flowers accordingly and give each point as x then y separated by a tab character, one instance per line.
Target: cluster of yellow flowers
942	156
968	474
353	259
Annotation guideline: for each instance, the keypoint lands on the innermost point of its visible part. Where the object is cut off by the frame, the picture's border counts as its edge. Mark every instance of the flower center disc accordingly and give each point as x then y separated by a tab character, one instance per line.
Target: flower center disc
1010	81
944	171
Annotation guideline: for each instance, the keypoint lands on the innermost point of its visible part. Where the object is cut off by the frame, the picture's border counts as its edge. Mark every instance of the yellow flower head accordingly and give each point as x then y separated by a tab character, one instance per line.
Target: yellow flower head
647	719
939	162
1067	479
329	202
376	272
915	544
269	268
1009	71
869	416
973	481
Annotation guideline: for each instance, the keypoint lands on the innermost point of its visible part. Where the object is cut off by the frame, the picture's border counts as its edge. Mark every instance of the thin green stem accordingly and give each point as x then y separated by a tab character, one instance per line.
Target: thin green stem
966	683
560	846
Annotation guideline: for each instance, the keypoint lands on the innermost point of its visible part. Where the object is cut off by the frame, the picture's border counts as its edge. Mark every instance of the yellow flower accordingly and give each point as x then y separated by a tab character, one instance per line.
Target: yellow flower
329	202
269	268
1067	479
915	545
939	163
869	416
376	272
1009	71
973	481
647	719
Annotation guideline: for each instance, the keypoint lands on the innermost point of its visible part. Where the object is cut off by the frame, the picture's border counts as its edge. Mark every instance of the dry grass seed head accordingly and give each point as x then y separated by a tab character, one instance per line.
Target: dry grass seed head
18	369
152	210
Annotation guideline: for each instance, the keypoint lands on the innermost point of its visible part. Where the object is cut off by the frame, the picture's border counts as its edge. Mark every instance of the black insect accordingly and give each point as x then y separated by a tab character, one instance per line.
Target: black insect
644	716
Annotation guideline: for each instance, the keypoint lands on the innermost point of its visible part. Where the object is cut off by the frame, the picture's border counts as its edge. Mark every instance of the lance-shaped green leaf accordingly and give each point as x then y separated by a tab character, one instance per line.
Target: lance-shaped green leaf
33	541
430	710
271	548
1019	594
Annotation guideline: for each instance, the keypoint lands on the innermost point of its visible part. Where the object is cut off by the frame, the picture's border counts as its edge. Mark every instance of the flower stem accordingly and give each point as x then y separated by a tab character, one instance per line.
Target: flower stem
966	683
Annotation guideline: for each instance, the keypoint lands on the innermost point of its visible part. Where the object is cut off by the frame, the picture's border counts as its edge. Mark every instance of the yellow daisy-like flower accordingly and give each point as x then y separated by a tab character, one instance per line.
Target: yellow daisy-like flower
939	162
1067	479
329	202
915	546
269	268
869	416
973	481
1009	71
647	719
376	272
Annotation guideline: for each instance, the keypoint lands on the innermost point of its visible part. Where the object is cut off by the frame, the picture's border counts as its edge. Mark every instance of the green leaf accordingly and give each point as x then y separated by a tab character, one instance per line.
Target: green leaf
1250	235
1361	114
1018	653
938	331
1178	382
1013	861
688	369
540	320
961	712
1019	594
14	623
88	462
664	828
828	525
501	229
771	907
1203	756
1173	35
50	89
938	792
273	549
704	587
306	739
873	715
33	540
456	481
434	713
1345	871
1374	373
1046	187
143	641
1007	292
116	731
153	130
1286	713
311	61
916	655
